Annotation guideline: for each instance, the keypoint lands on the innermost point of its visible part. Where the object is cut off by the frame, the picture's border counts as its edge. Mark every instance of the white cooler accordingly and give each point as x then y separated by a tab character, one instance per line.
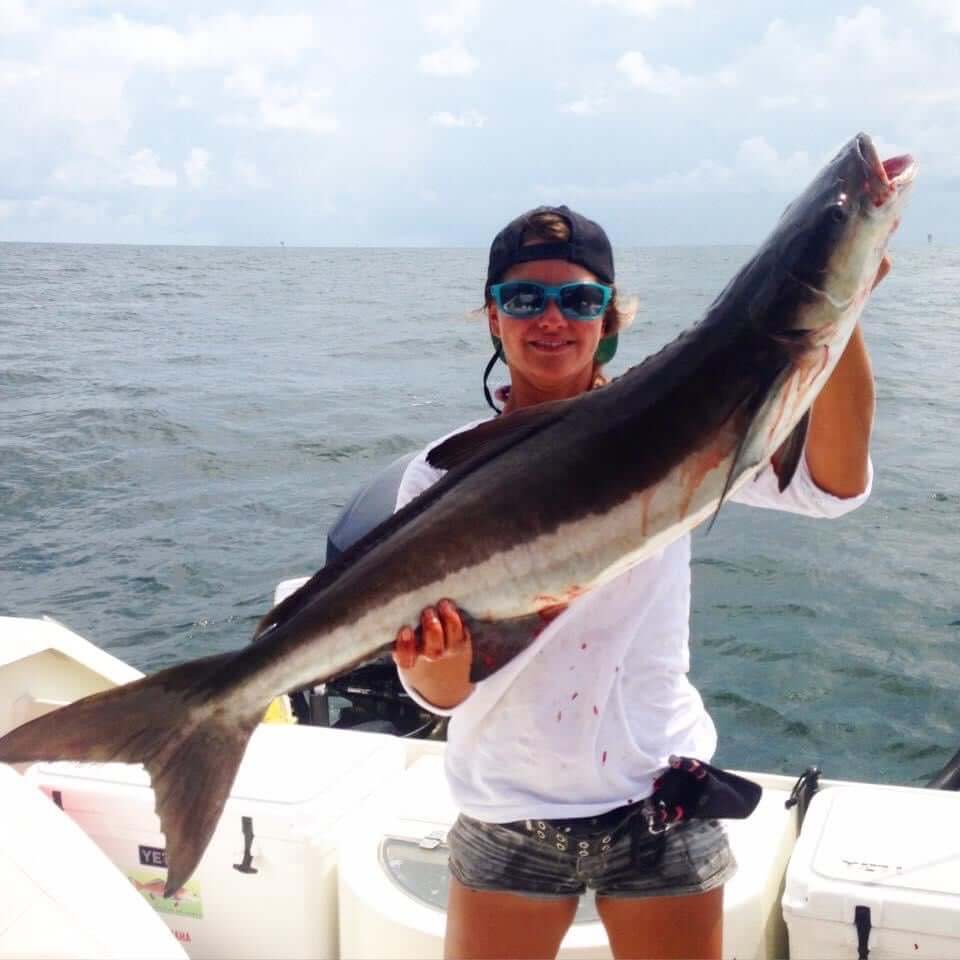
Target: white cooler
62	898
279	827
876	868
393	876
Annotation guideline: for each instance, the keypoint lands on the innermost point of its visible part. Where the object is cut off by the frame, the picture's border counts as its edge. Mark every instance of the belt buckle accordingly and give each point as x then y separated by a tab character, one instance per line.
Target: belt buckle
655	816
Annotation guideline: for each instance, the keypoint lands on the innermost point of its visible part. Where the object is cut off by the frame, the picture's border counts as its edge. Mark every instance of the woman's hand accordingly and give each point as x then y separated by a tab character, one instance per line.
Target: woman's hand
439	667
442	634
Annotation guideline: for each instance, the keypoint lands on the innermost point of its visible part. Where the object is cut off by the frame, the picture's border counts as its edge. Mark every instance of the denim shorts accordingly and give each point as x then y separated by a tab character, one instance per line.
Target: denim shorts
615	854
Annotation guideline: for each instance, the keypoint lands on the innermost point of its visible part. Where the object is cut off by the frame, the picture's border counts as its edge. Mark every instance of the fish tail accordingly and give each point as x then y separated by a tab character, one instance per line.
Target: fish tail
180	724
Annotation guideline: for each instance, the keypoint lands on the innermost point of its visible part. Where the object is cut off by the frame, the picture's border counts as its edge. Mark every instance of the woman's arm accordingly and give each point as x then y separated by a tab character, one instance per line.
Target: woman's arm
841	419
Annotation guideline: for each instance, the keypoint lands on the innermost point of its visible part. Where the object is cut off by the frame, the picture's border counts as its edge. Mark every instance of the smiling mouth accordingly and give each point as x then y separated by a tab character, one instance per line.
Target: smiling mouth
551	346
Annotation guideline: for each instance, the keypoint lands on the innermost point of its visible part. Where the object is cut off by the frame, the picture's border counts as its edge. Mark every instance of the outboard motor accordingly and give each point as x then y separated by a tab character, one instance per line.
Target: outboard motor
370	505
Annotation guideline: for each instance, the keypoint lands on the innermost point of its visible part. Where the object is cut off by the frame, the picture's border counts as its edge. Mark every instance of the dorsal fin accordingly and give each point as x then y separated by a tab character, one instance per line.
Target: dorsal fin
493	436
299	598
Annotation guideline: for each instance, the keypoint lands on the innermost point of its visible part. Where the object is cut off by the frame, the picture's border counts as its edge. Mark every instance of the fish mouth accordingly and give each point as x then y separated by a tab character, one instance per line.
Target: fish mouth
885	178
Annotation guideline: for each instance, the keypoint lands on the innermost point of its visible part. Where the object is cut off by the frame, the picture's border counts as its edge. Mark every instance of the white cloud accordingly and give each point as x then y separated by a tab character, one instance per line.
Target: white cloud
468	118
247	174
668	81
453	18
755	165
867	33
930	98
246	81
757	159
946	10
197	167
15	73
215	43
337	102
144	170
779	103
7	209
66	211
301	112
279	107
644	8
893	75
105	63
14	17
452	61
586	106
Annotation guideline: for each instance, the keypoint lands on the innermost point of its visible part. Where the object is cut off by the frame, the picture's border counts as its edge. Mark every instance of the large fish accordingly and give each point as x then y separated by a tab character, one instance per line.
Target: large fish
535	509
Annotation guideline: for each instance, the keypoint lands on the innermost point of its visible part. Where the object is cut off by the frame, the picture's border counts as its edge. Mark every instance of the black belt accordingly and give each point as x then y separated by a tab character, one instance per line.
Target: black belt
688	790
584	836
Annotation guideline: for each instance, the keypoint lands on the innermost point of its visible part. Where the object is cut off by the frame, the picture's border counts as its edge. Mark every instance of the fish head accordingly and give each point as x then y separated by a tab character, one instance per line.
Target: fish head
832	238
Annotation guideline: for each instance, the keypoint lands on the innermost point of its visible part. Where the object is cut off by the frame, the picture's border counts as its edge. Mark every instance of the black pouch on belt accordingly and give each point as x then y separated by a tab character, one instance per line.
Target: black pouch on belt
691	789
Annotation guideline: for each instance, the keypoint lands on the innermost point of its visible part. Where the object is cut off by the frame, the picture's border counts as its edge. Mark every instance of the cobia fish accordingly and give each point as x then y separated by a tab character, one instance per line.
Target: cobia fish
535	509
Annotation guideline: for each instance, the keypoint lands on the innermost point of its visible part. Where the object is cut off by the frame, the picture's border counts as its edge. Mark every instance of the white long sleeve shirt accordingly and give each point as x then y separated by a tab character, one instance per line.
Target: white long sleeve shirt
586	718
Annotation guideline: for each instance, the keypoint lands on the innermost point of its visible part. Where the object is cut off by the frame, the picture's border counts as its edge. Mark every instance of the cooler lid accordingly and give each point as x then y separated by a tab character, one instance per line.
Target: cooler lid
900	840
286	765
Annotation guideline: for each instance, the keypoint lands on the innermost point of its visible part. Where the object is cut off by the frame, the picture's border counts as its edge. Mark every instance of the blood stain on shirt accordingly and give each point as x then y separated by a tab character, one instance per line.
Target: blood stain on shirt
583	646
596	712
574	697
559	715
603	759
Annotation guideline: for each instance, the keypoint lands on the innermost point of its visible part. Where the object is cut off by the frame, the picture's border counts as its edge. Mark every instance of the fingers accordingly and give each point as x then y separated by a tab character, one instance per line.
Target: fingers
442	633
431	634
454	629
405	648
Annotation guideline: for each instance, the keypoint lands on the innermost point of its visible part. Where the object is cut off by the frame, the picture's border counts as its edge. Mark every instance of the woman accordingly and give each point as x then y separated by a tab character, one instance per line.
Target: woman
551	758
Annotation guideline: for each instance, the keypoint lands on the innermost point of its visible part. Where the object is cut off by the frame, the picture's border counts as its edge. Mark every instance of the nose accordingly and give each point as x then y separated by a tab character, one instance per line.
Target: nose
551	316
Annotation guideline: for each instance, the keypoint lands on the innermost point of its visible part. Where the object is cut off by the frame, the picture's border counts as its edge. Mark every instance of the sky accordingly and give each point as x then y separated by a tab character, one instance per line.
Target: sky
432	123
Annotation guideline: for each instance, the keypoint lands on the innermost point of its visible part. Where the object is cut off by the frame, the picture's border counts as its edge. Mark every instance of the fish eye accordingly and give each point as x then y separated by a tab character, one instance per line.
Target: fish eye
837	213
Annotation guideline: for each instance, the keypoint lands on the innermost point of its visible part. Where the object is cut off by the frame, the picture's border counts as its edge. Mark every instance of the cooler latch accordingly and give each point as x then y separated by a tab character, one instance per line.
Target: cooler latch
432	840
861	920
246	824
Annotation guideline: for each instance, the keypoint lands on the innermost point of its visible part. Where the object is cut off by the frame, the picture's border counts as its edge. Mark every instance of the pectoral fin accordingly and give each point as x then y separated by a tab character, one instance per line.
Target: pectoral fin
497	642
786	459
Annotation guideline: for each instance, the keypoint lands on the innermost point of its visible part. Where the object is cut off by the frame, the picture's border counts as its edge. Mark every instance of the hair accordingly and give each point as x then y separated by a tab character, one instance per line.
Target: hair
547	227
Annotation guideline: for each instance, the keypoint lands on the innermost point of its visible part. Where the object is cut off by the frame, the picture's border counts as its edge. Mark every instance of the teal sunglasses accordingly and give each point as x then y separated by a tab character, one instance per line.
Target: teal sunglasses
525	299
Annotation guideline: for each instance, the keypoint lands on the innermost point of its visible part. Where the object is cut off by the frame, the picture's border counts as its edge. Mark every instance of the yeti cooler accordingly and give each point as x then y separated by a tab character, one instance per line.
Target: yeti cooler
876	872
266	885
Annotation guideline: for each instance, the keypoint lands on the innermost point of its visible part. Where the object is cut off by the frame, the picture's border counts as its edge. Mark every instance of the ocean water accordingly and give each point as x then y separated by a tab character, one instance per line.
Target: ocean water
180	426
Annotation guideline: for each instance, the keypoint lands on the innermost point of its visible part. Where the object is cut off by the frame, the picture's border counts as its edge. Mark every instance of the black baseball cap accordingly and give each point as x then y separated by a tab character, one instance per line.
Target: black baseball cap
588	245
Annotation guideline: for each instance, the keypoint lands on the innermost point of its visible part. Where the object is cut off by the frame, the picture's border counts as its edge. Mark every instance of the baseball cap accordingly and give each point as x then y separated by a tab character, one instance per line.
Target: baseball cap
588	245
